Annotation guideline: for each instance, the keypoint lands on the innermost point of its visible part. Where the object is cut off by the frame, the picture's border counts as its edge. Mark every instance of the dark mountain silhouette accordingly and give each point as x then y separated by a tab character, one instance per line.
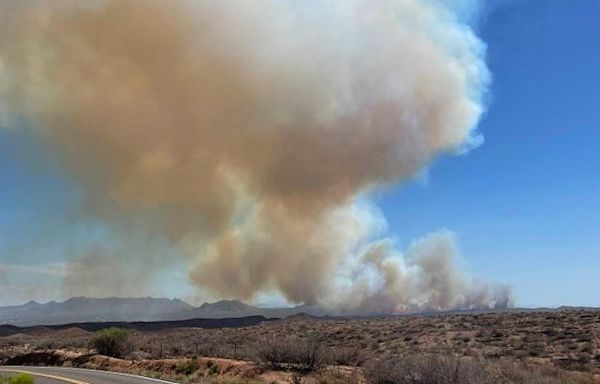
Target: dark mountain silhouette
7	330
90	310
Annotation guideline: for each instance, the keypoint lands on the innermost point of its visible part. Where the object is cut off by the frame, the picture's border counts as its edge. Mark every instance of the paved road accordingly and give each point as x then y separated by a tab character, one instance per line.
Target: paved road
60	375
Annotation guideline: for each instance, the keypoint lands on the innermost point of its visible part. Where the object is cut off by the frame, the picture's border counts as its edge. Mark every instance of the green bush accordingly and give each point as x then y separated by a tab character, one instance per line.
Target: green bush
110	341
213	367
187	367
21	378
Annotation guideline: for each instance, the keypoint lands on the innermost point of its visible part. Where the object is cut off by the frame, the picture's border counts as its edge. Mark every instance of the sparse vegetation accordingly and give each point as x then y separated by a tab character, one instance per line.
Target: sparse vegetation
514	348
435	369
350	356
294	354
110	342
431	369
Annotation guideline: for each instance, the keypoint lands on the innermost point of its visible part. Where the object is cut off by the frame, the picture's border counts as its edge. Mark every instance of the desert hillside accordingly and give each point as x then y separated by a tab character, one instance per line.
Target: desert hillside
563	345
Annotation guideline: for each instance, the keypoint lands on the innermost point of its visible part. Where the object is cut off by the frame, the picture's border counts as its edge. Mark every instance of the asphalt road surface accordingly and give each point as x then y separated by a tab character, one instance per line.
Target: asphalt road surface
60	375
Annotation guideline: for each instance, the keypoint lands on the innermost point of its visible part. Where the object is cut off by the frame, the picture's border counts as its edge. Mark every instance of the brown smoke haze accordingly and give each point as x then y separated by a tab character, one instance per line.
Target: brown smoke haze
251	133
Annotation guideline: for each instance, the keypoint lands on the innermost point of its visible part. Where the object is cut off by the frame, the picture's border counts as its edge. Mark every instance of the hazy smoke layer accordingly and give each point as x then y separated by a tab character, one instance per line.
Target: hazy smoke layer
250	132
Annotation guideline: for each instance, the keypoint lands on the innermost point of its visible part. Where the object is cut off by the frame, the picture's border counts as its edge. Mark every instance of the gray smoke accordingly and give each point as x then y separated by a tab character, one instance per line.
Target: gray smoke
250	134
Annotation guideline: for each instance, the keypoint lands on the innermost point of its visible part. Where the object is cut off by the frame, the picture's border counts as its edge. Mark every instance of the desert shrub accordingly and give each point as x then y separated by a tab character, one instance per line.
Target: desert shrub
213	367
21	378
351	356
431	369
187	367
328	377
295	354
110	342
541	375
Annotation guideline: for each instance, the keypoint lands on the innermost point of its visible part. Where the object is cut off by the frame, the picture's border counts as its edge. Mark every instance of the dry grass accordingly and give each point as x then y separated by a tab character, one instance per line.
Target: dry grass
435	369
432	369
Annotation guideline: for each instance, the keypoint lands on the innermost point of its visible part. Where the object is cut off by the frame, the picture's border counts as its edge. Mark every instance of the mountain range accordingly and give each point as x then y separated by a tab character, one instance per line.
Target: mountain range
83	310
148	309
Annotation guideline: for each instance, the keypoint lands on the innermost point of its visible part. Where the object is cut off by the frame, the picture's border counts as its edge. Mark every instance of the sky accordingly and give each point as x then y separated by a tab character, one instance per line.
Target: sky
525	205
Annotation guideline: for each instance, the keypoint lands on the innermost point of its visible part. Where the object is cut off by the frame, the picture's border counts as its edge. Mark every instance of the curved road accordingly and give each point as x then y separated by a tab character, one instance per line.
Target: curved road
60	375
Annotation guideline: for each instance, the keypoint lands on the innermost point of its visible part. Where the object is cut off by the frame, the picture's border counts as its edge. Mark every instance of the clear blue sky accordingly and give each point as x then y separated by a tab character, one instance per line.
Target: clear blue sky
525	205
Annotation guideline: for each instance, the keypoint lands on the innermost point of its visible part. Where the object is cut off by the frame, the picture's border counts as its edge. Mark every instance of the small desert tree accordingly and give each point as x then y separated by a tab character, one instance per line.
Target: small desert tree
110	341
292	353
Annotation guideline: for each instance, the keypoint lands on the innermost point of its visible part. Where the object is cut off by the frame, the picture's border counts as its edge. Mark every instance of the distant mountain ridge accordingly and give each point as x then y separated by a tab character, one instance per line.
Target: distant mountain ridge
84	310
148	309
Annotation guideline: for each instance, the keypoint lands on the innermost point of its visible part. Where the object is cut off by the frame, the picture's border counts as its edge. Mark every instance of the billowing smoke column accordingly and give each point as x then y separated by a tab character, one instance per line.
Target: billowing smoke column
250	133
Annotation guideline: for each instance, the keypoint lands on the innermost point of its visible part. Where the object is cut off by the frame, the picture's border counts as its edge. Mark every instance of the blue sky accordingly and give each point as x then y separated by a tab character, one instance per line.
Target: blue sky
525	205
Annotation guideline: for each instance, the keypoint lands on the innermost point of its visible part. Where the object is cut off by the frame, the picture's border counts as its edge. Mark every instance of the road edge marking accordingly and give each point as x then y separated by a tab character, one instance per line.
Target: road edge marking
59	378
126	375
95	370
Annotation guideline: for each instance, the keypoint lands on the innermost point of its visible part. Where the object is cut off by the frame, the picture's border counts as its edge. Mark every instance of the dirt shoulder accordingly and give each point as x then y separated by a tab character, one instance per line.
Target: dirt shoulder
184	370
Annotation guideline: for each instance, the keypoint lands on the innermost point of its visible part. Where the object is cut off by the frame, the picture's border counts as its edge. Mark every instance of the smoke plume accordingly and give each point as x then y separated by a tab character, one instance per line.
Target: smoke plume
251	133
